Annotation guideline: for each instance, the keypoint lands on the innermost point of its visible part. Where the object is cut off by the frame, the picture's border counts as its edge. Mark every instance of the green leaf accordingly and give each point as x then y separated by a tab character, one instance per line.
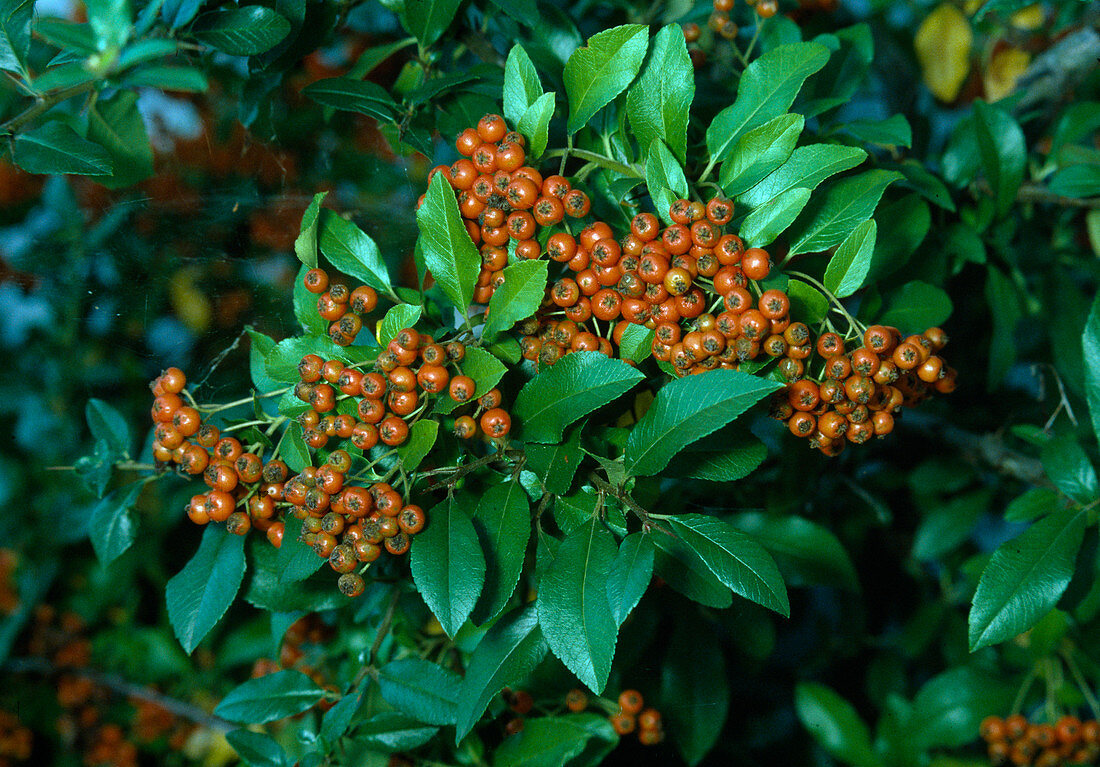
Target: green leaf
105	422
1090	344
244	31
725	456
892	132
665	179
268	698
165	78
15	34
833	216
256	749
1032	504
1003	152
735	559
484	368
389	731
573	609
295	561
602	69
630	574
448	250
848	267
1076	180
422	437
573	388
305	307
57	148
397	319
349	95
686	410
771	219
351	251
503	524
659	102
428	19
549	741
807	301
112	528
917	306
111	21
535	124
305	244
767	89
636	343
807	554
557	464
835	724
1069	468
1025	578
421	689
145	50
902	226
200	593
683	569
282	361
696	682
293	449
448	567
949	708
522	86
506	655
760	152
807	167
518	298
96	469
117	126
60	34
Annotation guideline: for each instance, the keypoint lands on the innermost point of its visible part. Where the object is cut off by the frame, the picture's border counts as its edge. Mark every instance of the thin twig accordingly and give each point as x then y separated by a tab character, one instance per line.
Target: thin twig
43	105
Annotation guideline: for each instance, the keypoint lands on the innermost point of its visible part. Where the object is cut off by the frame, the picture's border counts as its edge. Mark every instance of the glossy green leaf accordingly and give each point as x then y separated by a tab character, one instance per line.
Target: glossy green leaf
117	126
112	528
427	20
917	306
390	731
448	567
421	689
807	301
1079	180
105	422
949	708
200	593
507	653
556	465
835	724
337	719
268	698
665	179
834	215
282	361
807	167
1069	468
1003	152
305	244
807	553
141	51
398	318
57	148
892	132
448	250
902	226
422	437
58	33
293	449
256	749
349	249
602	69
15	34
535	124
636	343
686	572
630	575
267	590
724	456
522	86
734	558
547	741
503	524
686	410
350	95
849	266
244	31
1003	298
771	219
295	560
767	89
573	609
484	368
1090	344
1025	578
759	152
305	306
111	22
573	388
696	681
1032	504
165	78
659	102
518	298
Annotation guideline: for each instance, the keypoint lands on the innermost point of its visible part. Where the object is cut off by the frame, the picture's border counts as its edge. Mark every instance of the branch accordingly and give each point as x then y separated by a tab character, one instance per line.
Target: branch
44	104
175	706
1036	193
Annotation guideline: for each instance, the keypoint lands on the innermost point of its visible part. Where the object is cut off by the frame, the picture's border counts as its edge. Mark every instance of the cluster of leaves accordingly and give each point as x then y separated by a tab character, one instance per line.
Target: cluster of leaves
958	548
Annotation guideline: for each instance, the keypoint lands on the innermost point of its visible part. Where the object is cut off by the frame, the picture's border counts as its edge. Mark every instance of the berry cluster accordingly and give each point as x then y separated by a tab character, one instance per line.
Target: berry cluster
1015	740
303	644
15	739
503	200
340	306
858	390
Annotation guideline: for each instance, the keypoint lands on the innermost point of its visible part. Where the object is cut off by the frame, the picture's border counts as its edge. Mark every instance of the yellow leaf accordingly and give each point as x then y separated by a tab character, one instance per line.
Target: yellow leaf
1030	17
189	301
943	48
1004	69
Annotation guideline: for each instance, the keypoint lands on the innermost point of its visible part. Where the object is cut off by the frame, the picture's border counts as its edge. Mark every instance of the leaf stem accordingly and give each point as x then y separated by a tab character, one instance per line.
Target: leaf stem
43	105
597	159
1082	683
837	306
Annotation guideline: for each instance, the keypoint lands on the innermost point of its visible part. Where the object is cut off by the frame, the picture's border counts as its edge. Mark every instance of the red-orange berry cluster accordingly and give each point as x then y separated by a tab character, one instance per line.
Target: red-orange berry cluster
633	716
303	644
340	306
858	390
1015	740
15	739
502	200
